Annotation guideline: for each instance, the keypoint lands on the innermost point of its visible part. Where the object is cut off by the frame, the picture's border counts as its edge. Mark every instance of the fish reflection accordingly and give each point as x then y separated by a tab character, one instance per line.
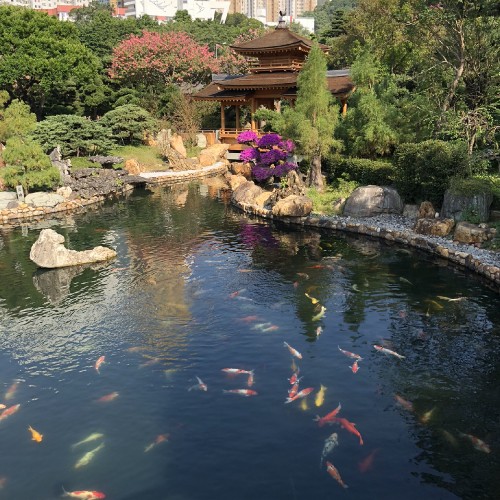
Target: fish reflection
367	463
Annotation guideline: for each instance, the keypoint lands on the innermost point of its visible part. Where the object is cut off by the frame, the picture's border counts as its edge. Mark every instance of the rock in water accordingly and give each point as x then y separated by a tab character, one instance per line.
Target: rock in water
49	252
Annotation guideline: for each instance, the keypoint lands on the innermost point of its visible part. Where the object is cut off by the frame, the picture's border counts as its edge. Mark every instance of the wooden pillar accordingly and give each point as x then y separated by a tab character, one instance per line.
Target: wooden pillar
252	113
344	106
222	117
238	117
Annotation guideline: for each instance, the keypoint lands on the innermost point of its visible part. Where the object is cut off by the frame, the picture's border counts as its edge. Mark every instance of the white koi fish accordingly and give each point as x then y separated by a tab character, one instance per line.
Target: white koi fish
293	351
321	313
388	351
91	437
201	386
88	457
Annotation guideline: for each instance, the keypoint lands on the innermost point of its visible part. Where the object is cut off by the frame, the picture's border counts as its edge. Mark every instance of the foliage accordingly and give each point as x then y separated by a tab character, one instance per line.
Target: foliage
28	165
44	64
148	157
75	135
423	171
129	124
268	155
79	162
162	59
16	120
324	202
361	170
470	186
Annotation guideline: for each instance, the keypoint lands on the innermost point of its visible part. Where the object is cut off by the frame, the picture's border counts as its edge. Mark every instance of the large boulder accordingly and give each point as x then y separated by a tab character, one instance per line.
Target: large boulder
454	205
368	201
132	166
246	194
465	232
49	252
212	154
235	180
7	197
177	144
42	199
243	168
293	206
434	227
426	210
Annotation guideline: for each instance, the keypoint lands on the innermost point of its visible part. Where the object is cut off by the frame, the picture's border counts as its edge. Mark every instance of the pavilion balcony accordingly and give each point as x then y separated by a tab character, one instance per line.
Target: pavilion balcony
277	64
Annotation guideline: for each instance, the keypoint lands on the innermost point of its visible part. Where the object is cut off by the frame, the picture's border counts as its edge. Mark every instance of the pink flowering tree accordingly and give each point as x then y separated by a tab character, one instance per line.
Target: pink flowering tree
269	155
162	59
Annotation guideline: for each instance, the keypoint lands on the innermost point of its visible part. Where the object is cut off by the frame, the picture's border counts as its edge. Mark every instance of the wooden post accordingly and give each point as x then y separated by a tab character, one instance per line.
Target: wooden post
237	118
222	117
344	107
252	112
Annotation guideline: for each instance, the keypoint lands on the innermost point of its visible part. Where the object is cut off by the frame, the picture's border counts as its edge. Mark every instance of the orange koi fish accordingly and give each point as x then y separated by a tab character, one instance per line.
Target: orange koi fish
354	368
302	394
11	391
241	392
9	411
328	419
350	354
349	427
476	442
159	439
99	362
84	495
201	386
249	319
388	351
108	397
335	474
367	463
404	403
35	435
235	371
293	351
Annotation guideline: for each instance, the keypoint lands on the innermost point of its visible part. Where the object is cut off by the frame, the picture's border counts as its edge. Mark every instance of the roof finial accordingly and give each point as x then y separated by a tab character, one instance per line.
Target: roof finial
281	20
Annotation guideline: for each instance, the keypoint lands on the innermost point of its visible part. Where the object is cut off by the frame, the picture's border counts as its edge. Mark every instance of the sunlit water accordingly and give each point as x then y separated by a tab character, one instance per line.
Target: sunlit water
198	287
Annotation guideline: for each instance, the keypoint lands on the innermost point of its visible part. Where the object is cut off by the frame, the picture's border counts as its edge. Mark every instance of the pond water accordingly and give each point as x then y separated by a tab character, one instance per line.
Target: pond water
198	287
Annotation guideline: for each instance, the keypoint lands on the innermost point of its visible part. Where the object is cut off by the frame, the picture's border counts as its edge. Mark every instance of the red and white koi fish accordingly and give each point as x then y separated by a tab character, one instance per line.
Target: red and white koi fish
159	439
335	474
404	403
293	351
250	380
235	371
201	386
388	351
84	495
99	362
354	368
108	397
476	442
350	354
235	294
302	394
328	419
294	379
348	426
2	406
241	392
11	391
9	411
367	463
293	390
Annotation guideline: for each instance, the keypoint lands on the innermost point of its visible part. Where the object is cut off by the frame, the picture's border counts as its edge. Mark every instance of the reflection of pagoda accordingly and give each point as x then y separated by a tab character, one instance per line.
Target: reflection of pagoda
276	59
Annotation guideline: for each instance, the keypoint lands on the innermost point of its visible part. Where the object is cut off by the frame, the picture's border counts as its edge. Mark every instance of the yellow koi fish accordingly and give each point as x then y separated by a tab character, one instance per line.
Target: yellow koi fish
35	435
312	299
321	313
320	397
303	405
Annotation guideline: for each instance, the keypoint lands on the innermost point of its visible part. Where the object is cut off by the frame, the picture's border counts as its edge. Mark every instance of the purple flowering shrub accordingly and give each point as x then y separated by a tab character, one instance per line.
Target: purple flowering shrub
268	154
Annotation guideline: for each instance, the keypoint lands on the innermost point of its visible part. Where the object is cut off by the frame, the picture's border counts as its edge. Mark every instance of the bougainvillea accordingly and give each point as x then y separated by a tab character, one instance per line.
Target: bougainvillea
163	58
268	154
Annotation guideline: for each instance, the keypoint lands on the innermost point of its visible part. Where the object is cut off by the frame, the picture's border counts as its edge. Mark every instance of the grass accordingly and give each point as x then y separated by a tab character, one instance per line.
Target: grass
147	156
323	203
79	162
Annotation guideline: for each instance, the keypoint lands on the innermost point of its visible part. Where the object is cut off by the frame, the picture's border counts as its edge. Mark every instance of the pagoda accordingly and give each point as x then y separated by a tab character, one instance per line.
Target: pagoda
276	59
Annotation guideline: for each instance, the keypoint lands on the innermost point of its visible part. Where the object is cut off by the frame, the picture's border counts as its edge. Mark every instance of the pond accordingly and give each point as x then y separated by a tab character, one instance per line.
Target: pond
110	363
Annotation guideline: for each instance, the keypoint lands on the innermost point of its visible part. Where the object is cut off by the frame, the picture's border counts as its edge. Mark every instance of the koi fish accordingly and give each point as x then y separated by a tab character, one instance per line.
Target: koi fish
245	270
476	442
404	280
91	437
303	405
367	463
424	419
450	438
235	294
330	443
303	275
108	397
448	299
235	371
354	368
294	379
201	386
293	351
355	288
312	299
435	304
335	474
99	362
351	355
349	427
404	403
320	397
159	439
88	457
9	411
293	390
35	435
2	406
319	331
84	495
250	379
11	391
321	313
271	328
241	392
302	394
249	319
261	326
328	419
388	351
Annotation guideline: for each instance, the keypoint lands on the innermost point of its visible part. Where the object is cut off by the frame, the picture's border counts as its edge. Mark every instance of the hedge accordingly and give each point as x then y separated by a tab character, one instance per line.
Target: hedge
360	170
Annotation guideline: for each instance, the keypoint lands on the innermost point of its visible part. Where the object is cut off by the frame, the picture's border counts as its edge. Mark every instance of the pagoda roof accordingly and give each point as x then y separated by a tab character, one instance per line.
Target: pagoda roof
276	40
282	79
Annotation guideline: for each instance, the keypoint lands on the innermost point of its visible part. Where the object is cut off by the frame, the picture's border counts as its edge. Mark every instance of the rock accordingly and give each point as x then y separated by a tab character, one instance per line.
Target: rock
235	180
293	206
6	197
12	205
263	199
132	167
465	232
338	205
42	199
106	161
212	154
245	169
410	211
434	227
177	144
368	201
454	205
64	191
201	141
246	193
62	165
49	252
426	210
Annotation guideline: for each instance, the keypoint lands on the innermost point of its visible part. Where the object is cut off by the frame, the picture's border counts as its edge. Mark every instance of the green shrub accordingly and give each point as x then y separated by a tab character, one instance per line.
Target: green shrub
360	170
28	165
423	171
494	182
470	186
323	202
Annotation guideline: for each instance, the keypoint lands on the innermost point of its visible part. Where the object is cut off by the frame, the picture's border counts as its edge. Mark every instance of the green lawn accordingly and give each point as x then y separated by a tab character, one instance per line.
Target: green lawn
147	156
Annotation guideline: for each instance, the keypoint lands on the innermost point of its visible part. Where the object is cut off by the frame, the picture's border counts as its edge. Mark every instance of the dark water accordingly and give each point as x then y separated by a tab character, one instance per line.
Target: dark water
166	310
